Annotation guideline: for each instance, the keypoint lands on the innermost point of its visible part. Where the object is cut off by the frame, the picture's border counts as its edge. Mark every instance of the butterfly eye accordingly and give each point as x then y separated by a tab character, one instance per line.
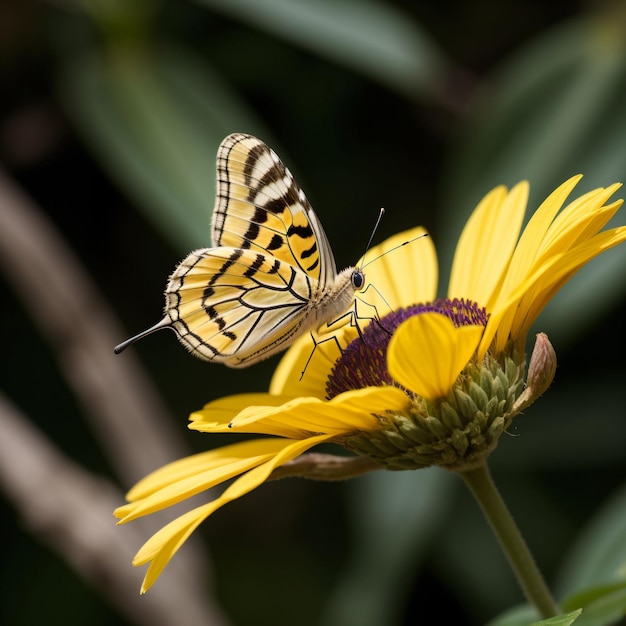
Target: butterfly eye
358	279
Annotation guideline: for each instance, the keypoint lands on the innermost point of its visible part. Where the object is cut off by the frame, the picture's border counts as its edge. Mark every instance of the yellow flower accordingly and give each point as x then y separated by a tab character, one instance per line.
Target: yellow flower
418	380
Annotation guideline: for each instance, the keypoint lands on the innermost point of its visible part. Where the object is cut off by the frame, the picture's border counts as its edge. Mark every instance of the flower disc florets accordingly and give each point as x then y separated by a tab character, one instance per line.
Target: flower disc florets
364	361
456	431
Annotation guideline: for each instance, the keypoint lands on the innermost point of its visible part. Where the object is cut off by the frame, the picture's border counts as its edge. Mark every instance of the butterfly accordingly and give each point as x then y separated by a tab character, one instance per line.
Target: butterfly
270	275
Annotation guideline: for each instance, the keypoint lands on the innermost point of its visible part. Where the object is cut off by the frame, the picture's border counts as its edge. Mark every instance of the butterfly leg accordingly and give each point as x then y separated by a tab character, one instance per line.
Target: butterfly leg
380	295
374	319
354	316
315	345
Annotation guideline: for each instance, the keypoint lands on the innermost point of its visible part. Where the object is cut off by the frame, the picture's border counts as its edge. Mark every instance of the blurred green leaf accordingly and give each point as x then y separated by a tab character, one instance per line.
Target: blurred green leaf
560	620
601	605
553	110
599	556
588	596
521	616
155	119
371	37
393	516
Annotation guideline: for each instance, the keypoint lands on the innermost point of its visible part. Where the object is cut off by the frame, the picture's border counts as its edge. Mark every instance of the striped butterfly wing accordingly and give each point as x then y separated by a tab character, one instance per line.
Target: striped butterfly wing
259	206
271	274
236	306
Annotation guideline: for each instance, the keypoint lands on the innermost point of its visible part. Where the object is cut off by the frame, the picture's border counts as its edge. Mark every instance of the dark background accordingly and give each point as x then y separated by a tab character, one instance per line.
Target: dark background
512	90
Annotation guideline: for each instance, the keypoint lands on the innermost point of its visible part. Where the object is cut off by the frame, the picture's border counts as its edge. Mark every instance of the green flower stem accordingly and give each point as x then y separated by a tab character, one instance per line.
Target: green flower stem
481	484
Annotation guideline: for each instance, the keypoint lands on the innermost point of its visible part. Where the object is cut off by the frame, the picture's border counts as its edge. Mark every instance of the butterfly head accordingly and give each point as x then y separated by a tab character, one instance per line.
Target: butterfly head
357	279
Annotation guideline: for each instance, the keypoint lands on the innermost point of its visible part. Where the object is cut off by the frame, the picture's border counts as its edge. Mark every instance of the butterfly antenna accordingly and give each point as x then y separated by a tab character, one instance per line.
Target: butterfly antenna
164	323
404	243
369	242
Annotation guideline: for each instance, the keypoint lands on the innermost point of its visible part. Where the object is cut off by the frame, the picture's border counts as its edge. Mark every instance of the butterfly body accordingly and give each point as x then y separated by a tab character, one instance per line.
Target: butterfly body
270	275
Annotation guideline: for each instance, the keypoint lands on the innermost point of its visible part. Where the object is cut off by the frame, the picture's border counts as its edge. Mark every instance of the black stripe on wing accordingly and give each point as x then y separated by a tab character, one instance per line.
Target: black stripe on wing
260	206
232	305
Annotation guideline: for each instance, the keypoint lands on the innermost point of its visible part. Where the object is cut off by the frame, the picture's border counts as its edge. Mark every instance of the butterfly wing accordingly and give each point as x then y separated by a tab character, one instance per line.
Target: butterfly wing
271	274
260	207
236	306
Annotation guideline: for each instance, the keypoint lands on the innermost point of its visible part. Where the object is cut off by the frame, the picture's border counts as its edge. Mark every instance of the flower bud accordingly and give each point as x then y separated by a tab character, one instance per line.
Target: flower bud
541	370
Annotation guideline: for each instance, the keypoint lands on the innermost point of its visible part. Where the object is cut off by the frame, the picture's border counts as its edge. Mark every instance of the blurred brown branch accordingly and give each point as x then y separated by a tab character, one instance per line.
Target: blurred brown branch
70	510
64	505
117	397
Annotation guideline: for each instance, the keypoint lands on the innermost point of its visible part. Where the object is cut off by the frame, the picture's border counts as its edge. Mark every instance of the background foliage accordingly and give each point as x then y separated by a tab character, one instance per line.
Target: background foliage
110	116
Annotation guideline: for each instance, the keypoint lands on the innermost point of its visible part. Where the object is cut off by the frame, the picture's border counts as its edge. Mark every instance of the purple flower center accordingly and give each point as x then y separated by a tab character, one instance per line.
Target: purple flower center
363	363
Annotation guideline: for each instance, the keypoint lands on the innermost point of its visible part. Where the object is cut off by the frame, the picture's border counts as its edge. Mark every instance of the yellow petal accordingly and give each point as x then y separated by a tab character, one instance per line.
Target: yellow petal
220	413
487	243
525	262
563	267
272	417
187	466
579	220
346	413
533	236
524	259
162	546
427	353
182	479
286	416
515	315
